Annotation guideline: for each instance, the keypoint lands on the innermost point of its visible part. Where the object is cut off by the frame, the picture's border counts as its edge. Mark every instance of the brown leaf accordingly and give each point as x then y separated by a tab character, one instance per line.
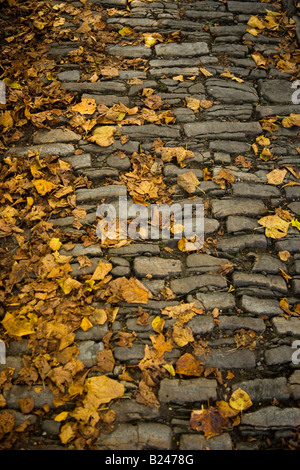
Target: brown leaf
26	404
189	365
210	421
188	181
105	361
153	102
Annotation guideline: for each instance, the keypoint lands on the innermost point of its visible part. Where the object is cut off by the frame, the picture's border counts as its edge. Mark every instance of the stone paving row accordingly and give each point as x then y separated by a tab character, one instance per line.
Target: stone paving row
214	37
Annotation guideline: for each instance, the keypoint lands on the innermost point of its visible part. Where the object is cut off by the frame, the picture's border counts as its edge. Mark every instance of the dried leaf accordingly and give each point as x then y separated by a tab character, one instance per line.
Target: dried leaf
86	106
101	389
275	226
211	421
227	74
291	120
276	176
240	400
189	365
188	181
43	187
103	136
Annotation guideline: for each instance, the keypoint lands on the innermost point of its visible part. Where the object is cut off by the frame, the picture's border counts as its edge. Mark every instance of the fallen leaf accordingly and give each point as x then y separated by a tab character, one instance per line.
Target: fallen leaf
276	176
103	136
291	120
211	421
255	22
158	324
182	334
43	187
205	72
189	365
55	244
240	400
101	271
284	275
192	103
260	60
188	181
227	74
275	226
86	106
101	389
263	141
295	223
284	255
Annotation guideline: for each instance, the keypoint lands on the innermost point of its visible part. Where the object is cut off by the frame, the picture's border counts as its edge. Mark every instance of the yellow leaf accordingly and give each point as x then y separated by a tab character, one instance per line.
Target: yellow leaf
253	31
102	389
152	38
61	416
192	103
59	22
240	400
178	78
149	40
263	141
291	120
101	271
276	176
11	84
260	60
19	325
227	74
269	124
67	285
266	154
6	120
170	369
275	226
255	22
55	244
284	255
85	324
43	187
182	334
182	244
158	324
67	433
295	223
205	72
103	136
126	31
148	92
86	106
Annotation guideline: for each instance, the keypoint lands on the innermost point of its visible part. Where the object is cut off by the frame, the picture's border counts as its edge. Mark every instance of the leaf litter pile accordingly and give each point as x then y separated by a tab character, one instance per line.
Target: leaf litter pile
43	304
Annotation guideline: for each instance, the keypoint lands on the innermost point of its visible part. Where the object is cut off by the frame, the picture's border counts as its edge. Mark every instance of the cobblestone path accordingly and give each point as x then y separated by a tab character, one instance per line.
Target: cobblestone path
216	101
